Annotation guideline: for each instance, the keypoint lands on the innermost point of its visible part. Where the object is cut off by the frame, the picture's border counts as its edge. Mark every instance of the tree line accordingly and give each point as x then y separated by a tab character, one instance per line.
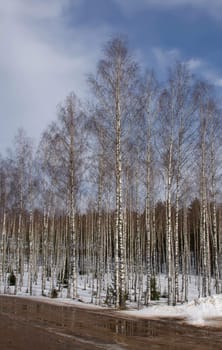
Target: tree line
120	189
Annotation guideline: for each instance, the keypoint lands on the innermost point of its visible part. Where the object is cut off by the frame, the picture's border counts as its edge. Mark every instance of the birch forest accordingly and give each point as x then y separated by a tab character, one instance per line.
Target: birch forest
122	188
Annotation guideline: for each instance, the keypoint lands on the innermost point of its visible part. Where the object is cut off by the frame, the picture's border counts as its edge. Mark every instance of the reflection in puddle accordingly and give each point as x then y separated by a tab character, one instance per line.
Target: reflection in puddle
215	322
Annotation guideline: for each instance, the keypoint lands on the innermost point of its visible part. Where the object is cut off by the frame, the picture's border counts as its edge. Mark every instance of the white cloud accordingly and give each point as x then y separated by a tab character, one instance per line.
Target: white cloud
205	71
41	61
213	77
212	8
218	82
194	63
34	9
164	59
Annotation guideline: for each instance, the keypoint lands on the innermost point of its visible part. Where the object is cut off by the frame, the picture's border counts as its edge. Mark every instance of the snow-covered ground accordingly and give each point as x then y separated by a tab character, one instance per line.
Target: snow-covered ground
198	311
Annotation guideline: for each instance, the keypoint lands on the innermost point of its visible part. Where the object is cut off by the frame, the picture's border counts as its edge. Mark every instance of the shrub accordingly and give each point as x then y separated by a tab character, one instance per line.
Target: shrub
54	293
110	296
11	279
155	294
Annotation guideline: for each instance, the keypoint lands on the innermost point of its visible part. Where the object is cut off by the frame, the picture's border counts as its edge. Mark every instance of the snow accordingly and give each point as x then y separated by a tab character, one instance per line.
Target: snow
199	312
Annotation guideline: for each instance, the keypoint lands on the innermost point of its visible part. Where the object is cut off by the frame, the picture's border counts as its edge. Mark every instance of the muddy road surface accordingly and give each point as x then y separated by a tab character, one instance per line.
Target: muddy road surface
33	324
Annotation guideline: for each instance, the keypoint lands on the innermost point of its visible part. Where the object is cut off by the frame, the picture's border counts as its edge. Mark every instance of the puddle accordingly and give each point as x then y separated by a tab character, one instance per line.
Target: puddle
215	322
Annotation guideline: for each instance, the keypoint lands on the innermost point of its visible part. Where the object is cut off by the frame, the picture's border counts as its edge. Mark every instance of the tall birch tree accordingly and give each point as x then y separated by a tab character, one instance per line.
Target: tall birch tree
114	89
62	147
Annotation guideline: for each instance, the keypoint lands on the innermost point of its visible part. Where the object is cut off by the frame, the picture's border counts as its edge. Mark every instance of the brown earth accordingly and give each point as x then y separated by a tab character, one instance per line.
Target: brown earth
26	323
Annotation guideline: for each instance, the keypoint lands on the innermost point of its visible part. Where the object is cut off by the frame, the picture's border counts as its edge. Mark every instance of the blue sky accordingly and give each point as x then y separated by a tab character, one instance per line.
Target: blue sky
49	46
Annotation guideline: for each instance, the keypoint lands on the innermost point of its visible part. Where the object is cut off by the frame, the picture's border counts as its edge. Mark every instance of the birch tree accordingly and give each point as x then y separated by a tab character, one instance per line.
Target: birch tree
183	100
114	88
149	104
20	158
202	96
62	145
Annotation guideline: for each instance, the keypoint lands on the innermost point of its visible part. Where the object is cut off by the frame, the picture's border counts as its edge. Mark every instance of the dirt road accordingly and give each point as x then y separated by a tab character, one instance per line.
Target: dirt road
31	324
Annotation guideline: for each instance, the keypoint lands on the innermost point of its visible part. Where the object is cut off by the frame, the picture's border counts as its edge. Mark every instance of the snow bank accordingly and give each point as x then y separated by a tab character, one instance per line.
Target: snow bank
197	312
201	310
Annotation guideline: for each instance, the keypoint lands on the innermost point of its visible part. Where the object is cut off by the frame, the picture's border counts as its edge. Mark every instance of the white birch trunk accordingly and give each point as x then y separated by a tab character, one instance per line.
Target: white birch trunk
169	227
3	256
